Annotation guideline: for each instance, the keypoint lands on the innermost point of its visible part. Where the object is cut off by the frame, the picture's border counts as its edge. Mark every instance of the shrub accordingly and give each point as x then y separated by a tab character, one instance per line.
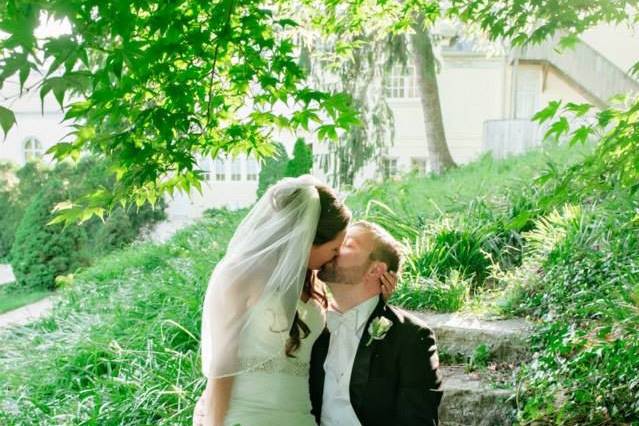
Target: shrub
85	175
480	358
91	172
273	169
9	217
302	161
446	295
116	232
442	249
583	283
17	188
42	252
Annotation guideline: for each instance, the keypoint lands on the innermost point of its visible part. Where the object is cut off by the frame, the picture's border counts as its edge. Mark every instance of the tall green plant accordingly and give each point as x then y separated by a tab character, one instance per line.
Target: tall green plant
273	169
585	298
302	161
615	161
17	189
42	252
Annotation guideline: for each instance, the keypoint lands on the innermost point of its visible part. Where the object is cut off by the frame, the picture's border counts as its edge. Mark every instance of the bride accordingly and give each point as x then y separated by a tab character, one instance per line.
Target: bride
263	309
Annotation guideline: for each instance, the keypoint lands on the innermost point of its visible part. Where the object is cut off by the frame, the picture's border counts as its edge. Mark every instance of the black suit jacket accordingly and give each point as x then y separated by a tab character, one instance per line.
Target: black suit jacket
395	381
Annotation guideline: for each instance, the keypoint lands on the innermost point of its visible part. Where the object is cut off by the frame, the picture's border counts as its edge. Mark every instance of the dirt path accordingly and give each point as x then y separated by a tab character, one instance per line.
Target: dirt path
26	313
6	274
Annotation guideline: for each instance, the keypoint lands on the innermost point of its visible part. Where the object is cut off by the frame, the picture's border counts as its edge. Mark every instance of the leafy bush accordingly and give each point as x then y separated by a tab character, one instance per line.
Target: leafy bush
443	248
40	251
116	232
615	161
87	174
17	188
446	295
273	169
480	358
8	220
302	161
581	281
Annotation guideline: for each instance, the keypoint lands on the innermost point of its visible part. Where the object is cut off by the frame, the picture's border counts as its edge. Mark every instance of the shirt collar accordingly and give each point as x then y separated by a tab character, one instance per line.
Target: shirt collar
364	311
358	314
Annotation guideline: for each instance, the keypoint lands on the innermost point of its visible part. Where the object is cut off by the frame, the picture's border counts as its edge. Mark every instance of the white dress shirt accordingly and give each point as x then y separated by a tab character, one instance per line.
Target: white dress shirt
346	331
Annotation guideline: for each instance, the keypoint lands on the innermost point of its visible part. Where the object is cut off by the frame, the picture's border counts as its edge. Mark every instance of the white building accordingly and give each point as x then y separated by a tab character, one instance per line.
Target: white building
38	126
487	102
229	182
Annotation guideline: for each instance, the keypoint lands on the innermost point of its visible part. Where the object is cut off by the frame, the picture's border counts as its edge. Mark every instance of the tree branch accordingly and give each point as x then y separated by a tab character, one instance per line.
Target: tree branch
223	35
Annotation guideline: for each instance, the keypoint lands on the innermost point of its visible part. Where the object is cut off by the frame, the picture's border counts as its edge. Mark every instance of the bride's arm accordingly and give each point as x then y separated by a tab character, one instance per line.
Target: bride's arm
218	395
231	306
237	300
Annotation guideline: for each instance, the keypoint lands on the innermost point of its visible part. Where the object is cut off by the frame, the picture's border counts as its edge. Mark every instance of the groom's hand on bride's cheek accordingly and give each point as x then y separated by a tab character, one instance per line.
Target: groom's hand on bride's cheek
388	284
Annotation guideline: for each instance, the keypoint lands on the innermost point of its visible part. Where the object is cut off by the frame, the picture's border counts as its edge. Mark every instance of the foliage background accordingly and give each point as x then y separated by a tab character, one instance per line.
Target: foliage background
39	252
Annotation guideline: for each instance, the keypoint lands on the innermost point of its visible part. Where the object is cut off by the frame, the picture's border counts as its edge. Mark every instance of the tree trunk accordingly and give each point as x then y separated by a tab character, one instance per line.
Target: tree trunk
439	158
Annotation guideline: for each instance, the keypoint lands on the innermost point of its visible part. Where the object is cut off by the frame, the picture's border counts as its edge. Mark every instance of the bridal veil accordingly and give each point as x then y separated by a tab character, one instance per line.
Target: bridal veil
257	285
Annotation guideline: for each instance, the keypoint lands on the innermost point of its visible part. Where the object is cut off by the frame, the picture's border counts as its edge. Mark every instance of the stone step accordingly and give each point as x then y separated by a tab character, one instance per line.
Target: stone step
474	399
459	335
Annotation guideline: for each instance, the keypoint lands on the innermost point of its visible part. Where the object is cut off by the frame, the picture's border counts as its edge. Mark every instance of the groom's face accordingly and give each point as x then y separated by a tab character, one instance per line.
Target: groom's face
353	260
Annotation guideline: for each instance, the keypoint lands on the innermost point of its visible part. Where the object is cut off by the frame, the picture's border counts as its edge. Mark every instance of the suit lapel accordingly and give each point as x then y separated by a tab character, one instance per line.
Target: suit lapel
319	354
362	363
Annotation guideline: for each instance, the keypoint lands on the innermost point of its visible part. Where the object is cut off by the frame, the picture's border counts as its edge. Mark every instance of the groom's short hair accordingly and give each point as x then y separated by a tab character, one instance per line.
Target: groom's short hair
386	248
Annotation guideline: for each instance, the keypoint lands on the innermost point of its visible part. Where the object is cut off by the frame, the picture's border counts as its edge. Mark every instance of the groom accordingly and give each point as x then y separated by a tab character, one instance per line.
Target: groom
373	364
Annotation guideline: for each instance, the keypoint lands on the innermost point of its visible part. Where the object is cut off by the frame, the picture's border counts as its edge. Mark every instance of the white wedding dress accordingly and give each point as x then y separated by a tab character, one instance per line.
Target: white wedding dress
275	393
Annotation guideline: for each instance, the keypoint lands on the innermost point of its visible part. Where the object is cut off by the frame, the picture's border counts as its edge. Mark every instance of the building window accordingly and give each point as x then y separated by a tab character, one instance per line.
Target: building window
204	165
218	168
33	149
390	167
402	82
418	165
251	169
236	169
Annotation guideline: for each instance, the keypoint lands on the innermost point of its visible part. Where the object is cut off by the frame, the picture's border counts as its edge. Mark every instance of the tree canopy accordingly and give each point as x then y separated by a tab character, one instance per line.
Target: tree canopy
152	85
158	83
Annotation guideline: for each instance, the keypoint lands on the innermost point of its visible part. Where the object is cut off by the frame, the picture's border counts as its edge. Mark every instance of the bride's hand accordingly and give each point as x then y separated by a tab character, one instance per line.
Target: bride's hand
389	282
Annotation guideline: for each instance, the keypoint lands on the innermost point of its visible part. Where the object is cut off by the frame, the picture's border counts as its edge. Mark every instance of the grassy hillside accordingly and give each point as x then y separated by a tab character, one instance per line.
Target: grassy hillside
463	227
122	347
418	197
526	237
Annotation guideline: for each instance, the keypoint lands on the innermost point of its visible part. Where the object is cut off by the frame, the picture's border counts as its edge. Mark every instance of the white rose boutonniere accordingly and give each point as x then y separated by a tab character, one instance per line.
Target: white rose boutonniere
378	329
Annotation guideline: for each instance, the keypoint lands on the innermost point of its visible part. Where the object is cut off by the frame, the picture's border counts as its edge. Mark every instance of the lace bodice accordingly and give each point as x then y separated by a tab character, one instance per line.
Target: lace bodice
273	393
313	316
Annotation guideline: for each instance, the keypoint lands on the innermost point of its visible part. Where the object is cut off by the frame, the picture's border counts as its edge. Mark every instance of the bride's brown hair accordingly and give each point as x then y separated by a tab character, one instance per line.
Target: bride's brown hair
334	218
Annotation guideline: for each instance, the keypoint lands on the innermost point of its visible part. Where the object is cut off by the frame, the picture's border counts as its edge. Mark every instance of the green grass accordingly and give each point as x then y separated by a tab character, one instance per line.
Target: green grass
122	345
447	295
463	224
421	197
13	298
